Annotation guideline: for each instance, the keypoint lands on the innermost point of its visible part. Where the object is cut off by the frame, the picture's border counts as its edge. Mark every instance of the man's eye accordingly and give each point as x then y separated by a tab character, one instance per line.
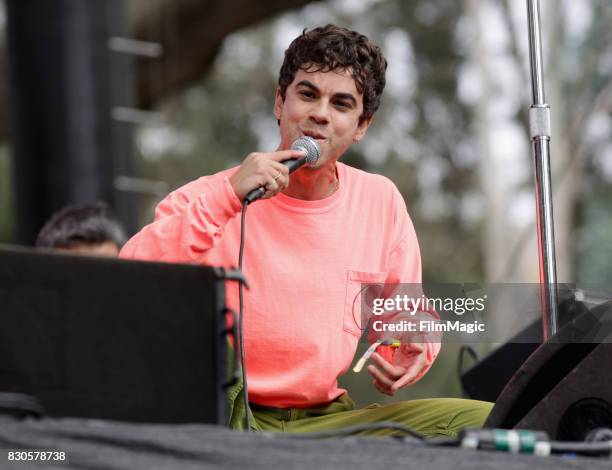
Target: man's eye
343	105
307	94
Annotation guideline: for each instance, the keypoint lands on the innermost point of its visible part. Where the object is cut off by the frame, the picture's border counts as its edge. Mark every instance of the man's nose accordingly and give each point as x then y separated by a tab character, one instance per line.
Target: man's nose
319	112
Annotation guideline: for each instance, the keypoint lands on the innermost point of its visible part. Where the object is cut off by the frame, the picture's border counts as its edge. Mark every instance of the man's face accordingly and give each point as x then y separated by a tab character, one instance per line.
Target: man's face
325	106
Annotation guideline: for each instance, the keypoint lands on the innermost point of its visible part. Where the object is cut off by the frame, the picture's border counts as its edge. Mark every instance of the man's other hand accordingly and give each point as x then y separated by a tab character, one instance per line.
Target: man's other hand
409	364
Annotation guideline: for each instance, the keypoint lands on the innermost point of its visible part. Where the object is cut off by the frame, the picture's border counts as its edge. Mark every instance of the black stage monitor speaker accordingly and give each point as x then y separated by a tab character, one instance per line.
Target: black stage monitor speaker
565	386
113	339
487	378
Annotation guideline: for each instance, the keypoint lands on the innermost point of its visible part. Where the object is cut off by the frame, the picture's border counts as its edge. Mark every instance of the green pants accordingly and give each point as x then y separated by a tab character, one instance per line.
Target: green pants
434	417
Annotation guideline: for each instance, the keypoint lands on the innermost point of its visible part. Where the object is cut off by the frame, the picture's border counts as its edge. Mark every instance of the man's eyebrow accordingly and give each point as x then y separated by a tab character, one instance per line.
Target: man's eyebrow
342	96
308	84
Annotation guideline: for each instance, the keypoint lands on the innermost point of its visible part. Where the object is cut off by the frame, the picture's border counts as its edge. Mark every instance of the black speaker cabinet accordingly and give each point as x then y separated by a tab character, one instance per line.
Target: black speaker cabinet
565	386
113	339
486	379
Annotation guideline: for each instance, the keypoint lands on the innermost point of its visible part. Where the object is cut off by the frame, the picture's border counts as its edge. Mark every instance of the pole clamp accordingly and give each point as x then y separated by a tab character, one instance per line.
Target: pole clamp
539	121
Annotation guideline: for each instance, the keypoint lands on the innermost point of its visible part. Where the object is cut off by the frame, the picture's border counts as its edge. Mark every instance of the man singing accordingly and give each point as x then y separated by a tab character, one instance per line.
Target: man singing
311	242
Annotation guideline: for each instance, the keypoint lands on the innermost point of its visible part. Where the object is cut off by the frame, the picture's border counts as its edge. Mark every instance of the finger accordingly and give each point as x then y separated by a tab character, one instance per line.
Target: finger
395	372
406	380
278	167
413	348
379	376
272	188
411	373
281	155
281	174
381	388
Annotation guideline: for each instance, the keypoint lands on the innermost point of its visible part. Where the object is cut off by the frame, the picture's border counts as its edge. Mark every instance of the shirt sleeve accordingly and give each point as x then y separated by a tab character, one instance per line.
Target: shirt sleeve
188	223
404	266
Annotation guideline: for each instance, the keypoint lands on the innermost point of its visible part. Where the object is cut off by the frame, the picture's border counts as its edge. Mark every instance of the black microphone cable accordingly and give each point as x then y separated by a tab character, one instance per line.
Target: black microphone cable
245	386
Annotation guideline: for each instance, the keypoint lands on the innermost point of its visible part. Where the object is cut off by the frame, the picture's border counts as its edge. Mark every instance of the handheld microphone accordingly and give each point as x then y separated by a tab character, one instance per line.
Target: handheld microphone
312	154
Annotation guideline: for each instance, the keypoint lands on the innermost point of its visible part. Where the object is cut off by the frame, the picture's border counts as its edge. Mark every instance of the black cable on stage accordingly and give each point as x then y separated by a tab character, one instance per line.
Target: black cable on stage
513	441
524	442
592	449
245	386
529	442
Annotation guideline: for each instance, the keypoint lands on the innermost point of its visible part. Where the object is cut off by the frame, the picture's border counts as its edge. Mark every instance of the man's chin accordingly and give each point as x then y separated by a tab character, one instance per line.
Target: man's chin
314	166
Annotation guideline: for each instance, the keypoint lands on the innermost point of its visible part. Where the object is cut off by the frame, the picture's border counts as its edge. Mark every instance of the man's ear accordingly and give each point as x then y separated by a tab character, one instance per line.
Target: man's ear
278	103
362	128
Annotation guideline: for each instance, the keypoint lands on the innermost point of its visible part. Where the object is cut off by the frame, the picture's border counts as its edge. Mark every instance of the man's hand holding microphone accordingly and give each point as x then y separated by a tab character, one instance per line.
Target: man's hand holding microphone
263	175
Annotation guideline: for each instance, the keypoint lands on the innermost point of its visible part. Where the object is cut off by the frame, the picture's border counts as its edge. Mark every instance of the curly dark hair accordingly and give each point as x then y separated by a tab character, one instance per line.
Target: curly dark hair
330	48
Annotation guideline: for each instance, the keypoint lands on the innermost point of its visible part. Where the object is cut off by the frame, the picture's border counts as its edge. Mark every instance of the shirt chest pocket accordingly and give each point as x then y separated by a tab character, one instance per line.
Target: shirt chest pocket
361	289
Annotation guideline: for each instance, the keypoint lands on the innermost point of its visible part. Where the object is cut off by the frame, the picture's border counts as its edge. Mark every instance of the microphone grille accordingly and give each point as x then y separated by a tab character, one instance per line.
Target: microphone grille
310	146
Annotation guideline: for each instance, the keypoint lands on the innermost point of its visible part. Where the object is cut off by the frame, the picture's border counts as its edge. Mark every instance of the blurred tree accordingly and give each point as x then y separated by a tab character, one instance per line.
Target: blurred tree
579	89
191	33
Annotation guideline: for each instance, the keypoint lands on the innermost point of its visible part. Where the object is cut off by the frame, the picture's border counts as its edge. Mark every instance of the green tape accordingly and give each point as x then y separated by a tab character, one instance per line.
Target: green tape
501	440
528	442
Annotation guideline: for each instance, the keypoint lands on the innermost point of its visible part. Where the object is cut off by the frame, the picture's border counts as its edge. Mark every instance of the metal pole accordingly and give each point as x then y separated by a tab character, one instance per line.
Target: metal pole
539	129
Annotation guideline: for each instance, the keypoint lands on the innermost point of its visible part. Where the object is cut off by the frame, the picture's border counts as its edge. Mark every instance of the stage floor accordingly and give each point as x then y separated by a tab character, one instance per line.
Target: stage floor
110	445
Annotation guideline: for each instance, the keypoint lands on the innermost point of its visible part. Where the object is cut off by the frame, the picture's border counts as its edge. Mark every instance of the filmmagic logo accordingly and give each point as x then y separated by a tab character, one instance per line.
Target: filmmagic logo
429	326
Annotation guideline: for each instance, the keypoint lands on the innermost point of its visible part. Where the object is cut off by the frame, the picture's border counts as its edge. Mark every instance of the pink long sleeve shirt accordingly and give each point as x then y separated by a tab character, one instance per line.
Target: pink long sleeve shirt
305	262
